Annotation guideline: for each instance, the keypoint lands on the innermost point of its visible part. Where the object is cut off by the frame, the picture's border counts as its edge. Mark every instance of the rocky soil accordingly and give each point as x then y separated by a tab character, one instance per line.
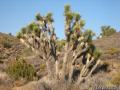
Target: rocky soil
109	46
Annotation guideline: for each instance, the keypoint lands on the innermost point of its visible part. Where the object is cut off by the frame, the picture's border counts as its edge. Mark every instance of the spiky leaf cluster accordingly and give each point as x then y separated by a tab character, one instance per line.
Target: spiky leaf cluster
39	35
73	24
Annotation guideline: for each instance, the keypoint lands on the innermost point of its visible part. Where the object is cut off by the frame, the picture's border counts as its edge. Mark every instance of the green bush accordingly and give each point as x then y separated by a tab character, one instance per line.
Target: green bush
107	31
6	44
20	69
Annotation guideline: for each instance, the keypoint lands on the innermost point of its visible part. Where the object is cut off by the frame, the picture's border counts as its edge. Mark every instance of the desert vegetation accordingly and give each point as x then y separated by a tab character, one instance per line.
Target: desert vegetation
19	69
35	59
77	47
107	31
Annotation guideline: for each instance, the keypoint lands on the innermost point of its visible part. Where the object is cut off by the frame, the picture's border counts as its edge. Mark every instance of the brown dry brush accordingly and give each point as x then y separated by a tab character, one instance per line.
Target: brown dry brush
41	38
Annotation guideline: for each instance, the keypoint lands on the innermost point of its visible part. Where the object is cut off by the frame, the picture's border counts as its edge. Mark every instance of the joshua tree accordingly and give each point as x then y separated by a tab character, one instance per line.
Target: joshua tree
41	37
107	31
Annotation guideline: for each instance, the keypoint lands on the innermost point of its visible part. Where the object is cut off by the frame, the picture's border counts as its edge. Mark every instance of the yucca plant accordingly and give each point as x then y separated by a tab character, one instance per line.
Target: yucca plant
78	44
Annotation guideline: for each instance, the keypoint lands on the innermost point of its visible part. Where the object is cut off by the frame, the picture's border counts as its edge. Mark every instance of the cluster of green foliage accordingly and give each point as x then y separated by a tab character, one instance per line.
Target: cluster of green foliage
107	31
73	24
89	34
34	28
42	66
20	69
7	44
60	44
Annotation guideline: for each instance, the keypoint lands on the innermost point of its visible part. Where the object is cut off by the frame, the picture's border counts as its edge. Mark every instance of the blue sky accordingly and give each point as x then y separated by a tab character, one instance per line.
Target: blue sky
14	14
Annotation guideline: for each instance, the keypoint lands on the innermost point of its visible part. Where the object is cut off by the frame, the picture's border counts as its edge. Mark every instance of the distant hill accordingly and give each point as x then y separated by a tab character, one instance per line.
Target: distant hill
110	46
10	48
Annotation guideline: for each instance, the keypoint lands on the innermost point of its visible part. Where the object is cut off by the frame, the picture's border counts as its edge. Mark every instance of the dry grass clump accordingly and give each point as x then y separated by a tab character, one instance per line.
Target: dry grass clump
116	79
112	51
42	66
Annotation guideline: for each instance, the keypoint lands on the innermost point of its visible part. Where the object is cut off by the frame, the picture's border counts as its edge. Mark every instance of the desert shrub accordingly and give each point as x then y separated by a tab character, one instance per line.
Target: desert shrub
7	44
42	66
112	51
116	79
104	67
2	57
107	31
20	69
10	34
26	52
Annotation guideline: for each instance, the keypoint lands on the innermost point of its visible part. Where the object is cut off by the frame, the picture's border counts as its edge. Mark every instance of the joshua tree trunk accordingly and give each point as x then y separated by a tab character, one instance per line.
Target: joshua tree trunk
94	67
71	73
57	69
65	62
49	69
